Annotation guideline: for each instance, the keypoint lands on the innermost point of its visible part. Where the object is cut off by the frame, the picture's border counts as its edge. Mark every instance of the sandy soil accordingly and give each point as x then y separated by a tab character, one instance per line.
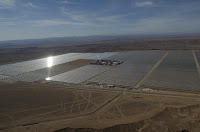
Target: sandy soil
169	120
23	103
132	112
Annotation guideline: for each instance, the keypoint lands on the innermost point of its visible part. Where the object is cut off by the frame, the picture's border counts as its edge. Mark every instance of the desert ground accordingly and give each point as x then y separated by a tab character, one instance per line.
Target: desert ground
39	107
75	108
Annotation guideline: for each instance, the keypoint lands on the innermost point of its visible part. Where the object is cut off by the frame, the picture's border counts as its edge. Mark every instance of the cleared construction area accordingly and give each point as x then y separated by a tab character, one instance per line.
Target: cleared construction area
25	104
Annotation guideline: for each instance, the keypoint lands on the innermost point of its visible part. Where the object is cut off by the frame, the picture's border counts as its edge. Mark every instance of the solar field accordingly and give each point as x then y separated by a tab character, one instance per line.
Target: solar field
41	74
3	76
28	66
197	54
80	75
101	56
177	71
173	70
135	67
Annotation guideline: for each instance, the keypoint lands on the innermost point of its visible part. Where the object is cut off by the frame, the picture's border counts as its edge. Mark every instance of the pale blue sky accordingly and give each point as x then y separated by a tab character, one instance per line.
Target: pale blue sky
25	19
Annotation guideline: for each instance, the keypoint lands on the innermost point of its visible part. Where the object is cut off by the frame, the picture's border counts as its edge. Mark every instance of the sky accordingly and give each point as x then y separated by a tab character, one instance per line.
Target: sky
27	19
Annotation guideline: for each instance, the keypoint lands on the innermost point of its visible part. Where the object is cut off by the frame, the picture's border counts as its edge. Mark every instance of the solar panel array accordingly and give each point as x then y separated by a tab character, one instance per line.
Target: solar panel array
177	71
44	73
197	53
80	75
137	64
3	76
32	65
27	66
123	56
100	56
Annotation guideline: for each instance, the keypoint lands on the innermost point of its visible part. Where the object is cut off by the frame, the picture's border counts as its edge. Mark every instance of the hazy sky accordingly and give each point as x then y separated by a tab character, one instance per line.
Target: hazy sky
24	19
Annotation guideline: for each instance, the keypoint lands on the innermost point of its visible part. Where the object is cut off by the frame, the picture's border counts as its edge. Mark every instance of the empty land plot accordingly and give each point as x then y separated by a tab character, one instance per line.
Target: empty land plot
131	107
27	66
25	104
132	70
177	71
139	112
44	73
81	74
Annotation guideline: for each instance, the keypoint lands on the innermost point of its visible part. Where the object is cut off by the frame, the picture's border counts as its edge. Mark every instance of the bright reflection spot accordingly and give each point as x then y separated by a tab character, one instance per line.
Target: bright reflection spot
48	78
49	61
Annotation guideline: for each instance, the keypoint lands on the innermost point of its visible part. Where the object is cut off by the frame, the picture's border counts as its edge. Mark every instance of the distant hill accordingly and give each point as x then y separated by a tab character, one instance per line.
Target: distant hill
57	40
96	39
